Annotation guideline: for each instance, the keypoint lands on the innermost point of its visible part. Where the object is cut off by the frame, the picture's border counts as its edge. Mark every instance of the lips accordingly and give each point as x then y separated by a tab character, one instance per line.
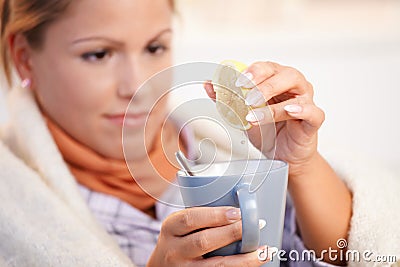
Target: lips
129	119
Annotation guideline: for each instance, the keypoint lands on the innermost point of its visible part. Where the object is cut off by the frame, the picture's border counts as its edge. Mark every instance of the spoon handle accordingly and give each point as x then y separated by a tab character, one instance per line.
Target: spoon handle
183	162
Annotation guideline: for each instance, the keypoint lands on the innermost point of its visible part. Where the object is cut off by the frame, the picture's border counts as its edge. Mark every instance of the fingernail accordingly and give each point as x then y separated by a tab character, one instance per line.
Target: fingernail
293	108
255	116
233	214
254	98
244	79
261	223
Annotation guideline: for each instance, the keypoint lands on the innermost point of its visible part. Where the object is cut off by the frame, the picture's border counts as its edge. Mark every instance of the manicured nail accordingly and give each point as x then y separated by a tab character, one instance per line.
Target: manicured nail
233	214
254	98
293	108
255	116
244	79
261	223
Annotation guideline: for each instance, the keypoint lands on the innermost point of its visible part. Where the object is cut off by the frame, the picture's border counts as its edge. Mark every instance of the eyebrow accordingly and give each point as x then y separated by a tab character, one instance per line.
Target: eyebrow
100	38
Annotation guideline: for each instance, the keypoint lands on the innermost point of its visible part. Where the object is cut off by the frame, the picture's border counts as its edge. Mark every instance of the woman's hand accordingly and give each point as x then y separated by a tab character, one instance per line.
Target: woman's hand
189	234
316	190
290	106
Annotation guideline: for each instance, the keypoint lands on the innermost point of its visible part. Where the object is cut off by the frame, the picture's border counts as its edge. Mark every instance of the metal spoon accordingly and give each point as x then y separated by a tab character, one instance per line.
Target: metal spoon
184	163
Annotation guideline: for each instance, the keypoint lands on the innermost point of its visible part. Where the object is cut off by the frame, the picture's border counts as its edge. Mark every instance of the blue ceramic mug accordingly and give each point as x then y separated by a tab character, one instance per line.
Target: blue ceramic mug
257	187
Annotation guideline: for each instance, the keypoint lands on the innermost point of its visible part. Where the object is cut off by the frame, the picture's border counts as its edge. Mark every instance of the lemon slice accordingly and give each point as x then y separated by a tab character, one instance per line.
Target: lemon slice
230	98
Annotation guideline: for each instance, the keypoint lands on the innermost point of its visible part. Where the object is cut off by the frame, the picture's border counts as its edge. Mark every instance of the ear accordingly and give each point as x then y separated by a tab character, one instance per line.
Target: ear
20	52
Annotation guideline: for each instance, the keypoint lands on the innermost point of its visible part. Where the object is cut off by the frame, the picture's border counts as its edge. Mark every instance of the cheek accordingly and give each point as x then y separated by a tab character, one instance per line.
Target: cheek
159	85
70	90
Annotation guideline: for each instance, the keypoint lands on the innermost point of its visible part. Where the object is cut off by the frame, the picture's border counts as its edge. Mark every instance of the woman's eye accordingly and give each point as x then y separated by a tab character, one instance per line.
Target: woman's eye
156	48
96	55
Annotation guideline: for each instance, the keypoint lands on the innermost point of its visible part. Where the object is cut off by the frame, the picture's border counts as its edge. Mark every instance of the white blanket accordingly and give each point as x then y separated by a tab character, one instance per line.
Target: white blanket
44	221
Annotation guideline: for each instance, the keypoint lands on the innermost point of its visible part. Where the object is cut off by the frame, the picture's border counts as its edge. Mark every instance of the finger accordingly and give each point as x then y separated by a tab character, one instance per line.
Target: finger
209	90
199	243
273	113
202	242
257	73
188	220
240	260
261	116
288	81
312	115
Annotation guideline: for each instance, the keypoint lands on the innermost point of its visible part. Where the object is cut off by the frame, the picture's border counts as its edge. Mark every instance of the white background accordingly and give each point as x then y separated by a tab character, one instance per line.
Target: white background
349	50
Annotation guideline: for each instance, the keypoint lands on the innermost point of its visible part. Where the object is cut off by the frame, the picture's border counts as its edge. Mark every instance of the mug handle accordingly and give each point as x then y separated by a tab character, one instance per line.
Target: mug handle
248	208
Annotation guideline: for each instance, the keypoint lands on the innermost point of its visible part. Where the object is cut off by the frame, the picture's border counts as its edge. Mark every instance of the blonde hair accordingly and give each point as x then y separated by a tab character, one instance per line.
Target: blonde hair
30	18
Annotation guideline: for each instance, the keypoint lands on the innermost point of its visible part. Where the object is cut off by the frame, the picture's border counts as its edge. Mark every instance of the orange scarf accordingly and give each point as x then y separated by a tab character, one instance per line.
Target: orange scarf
112	177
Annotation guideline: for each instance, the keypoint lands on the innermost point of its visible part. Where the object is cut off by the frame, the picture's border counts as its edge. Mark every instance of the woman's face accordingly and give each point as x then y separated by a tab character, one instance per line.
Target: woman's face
92	62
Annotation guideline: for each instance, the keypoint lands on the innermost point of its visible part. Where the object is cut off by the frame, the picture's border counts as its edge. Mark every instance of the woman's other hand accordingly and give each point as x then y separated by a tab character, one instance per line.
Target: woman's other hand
189	234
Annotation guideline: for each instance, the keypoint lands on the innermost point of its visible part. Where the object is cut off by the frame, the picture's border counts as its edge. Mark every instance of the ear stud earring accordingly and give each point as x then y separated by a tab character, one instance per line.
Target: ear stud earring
26	83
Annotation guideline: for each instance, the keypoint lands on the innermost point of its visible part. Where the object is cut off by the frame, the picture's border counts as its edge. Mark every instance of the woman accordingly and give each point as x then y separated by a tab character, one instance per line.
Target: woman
62	164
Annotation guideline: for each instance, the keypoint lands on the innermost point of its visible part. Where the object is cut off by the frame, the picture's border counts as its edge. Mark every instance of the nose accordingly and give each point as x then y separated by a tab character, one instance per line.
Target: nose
131	78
